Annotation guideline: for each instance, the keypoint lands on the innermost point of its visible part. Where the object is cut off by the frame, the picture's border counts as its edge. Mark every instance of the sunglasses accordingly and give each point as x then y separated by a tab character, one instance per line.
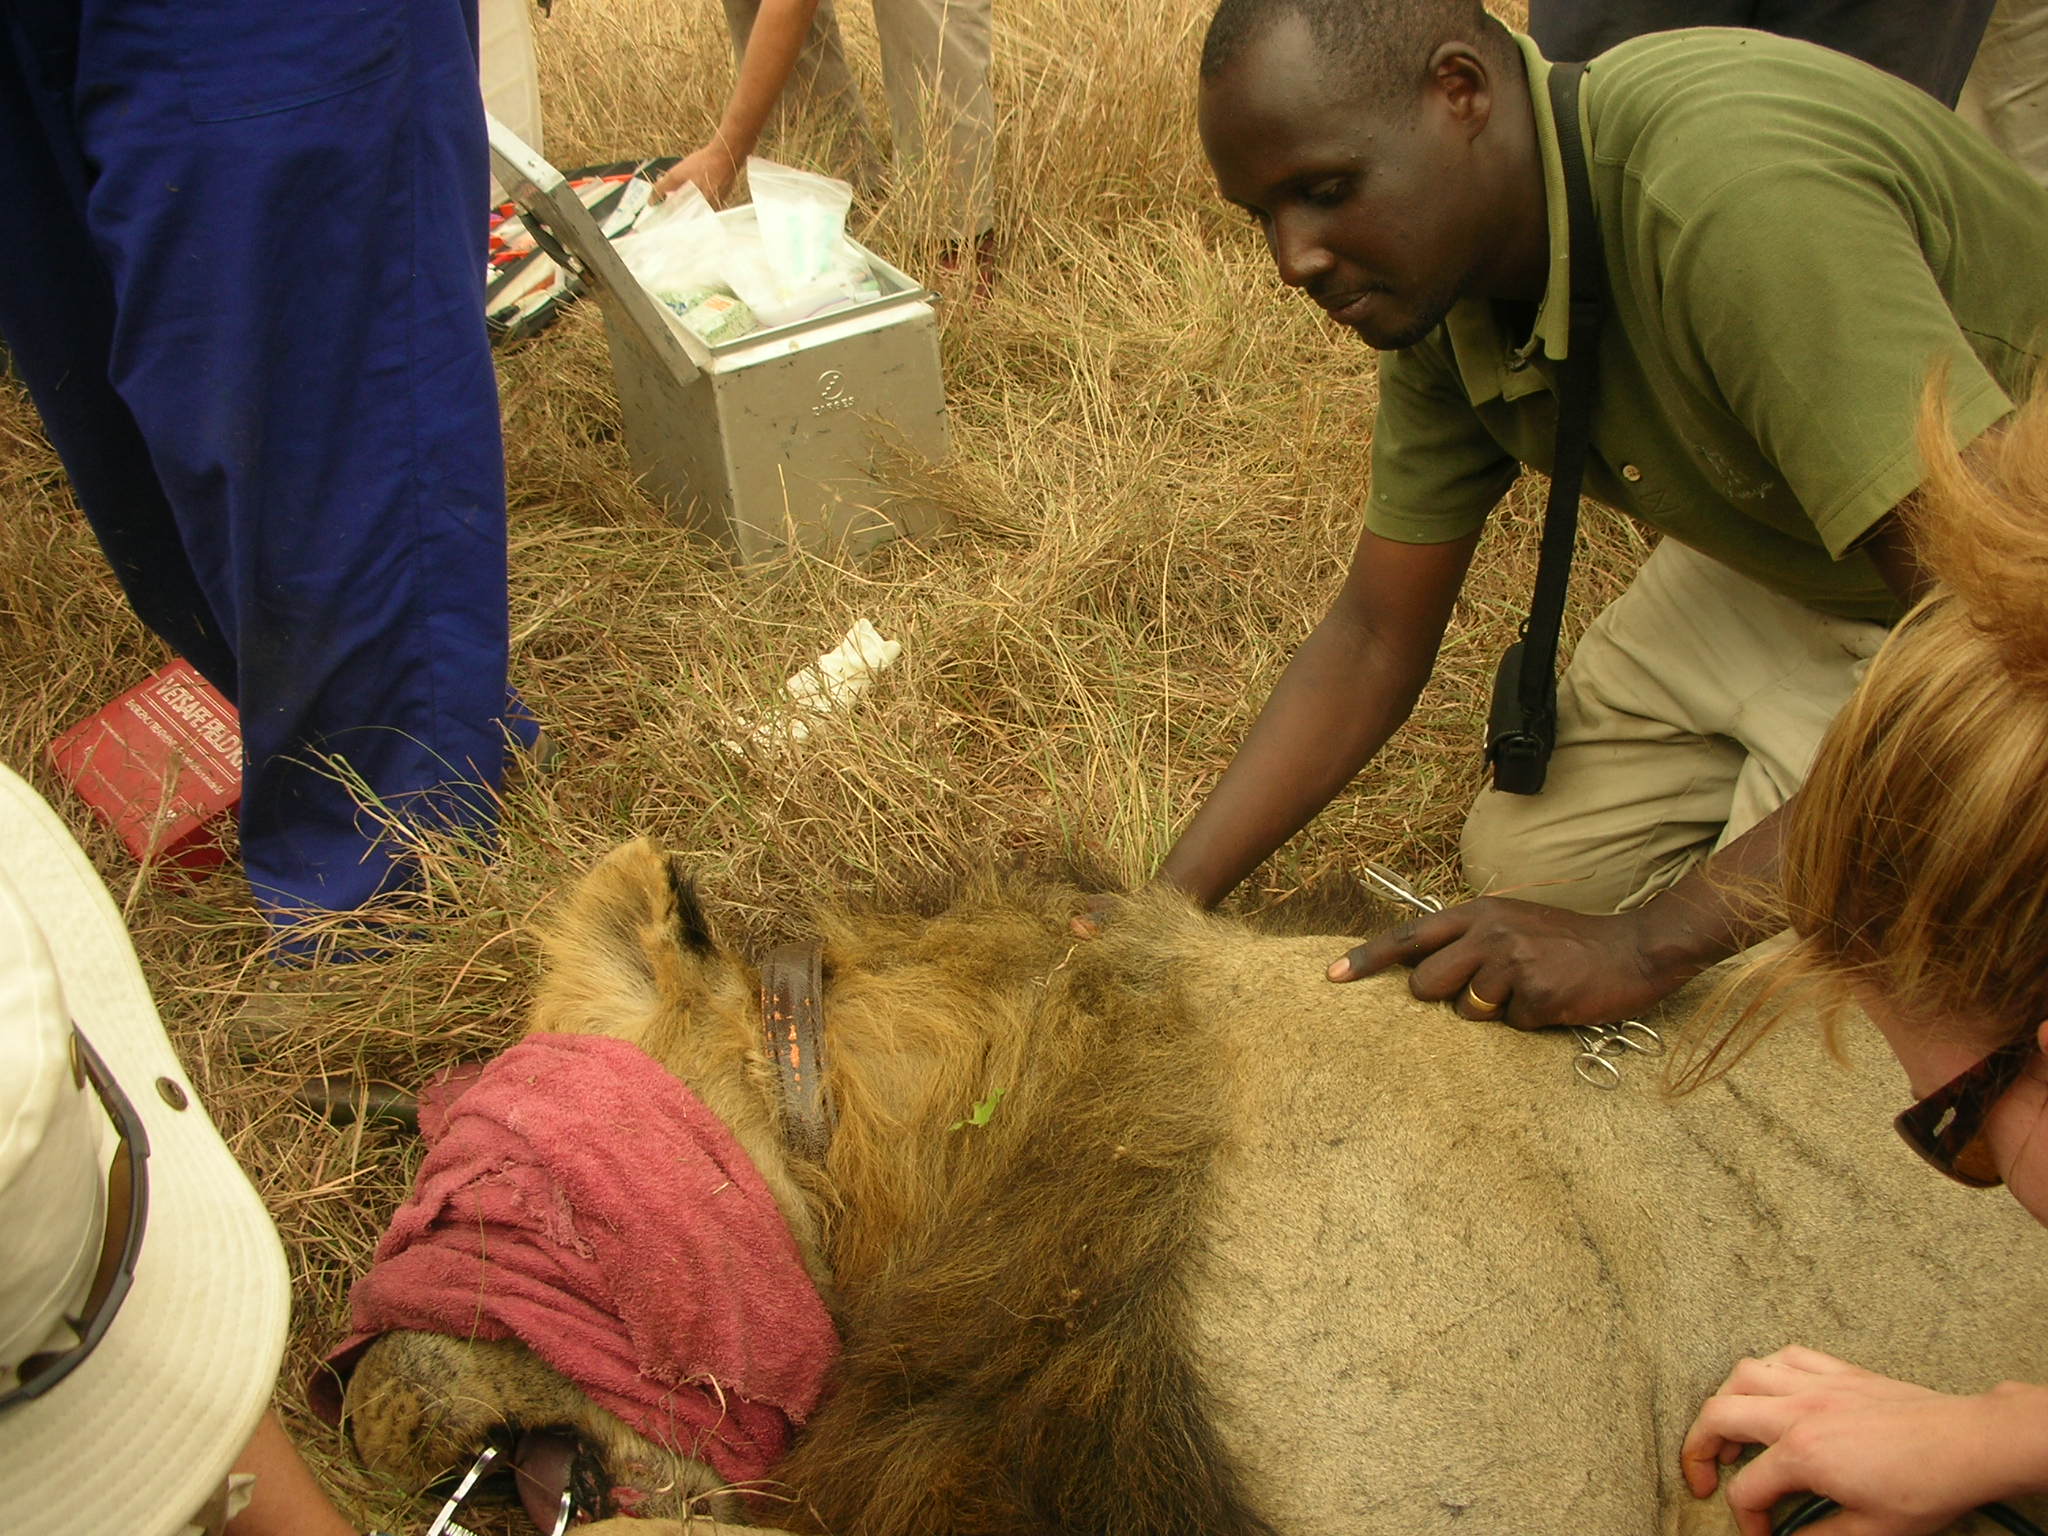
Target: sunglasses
1946	1127
129	1174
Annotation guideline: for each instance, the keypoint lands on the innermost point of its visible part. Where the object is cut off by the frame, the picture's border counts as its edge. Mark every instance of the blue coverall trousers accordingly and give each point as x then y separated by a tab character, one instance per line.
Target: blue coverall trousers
243	276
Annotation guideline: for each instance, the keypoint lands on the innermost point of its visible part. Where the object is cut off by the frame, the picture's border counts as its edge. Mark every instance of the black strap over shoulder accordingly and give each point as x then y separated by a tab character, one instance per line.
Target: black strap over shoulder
1524	724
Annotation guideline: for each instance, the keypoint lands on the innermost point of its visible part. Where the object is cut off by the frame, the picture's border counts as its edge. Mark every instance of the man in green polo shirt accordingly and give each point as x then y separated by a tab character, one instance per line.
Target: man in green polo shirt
1793	241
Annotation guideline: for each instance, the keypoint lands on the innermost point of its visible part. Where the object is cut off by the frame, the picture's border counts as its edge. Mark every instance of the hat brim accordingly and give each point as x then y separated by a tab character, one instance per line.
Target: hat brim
142	1433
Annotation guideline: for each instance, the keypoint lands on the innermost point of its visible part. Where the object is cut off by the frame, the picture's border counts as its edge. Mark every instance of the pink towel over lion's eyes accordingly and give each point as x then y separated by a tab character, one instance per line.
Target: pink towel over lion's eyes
579	1198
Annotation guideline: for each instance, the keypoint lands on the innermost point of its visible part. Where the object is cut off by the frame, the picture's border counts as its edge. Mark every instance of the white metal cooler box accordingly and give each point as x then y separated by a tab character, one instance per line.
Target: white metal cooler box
769	441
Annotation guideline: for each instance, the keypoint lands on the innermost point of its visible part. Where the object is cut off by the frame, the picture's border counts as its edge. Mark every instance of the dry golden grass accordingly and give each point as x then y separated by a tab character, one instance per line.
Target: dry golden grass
1158	458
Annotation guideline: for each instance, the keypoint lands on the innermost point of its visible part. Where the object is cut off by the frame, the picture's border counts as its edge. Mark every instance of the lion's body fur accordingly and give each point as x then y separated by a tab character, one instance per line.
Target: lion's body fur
1240	1250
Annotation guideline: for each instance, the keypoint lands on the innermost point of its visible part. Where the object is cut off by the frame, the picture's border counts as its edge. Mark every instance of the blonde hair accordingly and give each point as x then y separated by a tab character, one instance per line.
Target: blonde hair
1916	860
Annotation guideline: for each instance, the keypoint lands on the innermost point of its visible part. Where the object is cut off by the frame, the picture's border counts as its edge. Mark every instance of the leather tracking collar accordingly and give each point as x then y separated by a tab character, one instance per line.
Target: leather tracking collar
793	1025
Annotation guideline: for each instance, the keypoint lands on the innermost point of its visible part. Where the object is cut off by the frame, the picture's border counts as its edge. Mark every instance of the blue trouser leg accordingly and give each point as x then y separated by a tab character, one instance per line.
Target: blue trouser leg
57	316
287	203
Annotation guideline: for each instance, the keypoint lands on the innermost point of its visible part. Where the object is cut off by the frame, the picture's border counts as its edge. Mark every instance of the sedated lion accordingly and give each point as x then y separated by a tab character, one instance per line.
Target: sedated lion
1234	1250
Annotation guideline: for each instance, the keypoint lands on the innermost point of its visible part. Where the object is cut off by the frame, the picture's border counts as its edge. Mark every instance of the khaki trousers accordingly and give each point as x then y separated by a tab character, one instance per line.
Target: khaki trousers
2006	95
935	57
510	73
1691	710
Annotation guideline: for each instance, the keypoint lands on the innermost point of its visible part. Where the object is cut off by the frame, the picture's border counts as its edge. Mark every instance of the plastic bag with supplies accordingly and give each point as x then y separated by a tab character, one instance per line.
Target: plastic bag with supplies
677	251
782	259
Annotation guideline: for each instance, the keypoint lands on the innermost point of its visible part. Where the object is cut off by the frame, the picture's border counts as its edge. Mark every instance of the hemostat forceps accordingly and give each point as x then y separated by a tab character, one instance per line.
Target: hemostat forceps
1603	1046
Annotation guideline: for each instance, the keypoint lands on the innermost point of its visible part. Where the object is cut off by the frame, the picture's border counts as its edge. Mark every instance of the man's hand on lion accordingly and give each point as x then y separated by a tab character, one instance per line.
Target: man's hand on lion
1524	964
1536	967
1900	1459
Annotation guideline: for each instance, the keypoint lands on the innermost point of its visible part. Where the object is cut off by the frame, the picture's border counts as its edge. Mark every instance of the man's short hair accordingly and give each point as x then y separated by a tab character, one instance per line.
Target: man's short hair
1382	45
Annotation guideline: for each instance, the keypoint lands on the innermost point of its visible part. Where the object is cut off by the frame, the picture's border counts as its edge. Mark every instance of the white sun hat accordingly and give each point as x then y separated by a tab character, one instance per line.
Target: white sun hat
141	1433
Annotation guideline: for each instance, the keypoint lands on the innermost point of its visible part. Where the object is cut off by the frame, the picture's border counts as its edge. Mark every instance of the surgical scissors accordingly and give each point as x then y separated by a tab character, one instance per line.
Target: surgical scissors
1602	1047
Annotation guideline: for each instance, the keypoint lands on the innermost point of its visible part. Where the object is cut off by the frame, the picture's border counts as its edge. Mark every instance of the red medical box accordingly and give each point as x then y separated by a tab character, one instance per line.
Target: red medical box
162	766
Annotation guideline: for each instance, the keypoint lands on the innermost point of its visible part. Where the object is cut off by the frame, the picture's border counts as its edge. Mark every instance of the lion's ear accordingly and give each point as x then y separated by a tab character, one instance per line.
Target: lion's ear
630	942
693	930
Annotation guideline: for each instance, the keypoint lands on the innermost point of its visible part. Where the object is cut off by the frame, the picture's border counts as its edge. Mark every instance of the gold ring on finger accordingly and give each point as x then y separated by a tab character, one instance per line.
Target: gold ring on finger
1483	1006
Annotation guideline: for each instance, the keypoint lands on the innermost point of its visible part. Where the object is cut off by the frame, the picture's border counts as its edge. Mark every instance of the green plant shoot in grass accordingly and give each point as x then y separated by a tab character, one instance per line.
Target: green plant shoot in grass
984	1111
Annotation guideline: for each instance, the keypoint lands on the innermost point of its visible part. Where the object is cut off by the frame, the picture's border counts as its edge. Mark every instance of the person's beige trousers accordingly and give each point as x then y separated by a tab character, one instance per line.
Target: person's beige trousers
510	73
2006	94
1691	710
935	57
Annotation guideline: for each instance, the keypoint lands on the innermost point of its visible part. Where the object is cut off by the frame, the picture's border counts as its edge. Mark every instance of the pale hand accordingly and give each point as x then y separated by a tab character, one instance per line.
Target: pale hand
711	168
1900	1459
